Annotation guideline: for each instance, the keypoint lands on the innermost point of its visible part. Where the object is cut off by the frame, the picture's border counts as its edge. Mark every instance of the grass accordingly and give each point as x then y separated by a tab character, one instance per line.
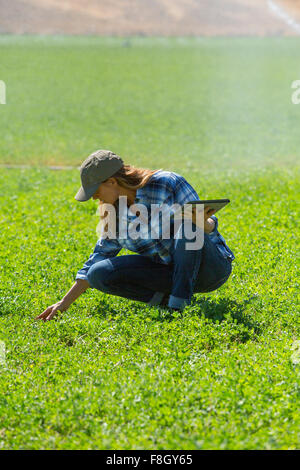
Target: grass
192	103
111	373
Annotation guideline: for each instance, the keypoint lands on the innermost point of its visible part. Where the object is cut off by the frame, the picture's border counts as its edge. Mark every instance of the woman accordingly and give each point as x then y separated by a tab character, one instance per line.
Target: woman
163	272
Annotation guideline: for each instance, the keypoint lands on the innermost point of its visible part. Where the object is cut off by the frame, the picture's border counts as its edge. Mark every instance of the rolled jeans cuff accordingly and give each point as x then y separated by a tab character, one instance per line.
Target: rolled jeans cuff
156	299
177	302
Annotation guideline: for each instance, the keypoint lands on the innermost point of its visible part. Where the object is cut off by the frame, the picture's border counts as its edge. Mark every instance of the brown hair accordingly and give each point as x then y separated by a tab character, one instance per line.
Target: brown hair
128	176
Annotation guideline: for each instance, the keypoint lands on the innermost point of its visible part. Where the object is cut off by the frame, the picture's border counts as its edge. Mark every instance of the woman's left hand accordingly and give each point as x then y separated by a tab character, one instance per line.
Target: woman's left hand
209	224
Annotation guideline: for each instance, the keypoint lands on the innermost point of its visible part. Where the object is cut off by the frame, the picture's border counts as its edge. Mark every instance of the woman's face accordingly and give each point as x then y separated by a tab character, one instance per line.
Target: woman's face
108	191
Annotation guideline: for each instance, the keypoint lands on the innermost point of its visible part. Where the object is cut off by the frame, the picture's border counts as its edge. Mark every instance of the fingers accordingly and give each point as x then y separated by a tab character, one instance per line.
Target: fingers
209	211
51	315
44	313
48	314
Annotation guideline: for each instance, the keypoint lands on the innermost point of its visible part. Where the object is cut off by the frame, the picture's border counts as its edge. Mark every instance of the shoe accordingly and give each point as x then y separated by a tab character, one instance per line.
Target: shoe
164	303
165	300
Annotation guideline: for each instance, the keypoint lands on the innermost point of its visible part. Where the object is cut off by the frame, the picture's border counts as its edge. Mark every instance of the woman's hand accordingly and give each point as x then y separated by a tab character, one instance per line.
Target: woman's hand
209	224
80	286
208	212
49	313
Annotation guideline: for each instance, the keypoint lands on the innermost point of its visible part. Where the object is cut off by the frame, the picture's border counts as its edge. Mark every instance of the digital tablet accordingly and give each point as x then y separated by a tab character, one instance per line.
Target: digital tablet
215	204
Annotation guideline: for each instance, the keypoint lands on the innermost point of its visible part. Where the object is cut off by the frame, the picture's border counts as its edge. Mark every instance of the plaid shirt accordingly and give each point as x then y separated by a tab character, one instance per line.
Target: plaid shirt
163	187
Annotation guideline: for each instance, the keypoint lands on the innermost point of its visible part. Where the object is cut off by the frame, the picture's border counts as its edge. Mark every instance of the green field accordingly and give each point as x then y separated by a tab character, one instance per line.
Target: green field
116	374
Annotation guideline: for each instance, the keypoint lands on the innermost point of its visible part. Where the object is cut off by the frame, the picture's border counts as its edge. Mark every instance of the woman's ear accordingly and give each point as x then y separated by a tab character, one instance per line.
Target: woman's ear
112	181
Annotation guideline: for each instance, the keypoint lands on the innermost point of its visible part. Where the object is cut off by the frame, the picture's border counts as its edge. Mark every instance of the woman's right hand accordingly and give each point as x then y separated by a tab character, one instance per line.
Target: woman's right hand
49	313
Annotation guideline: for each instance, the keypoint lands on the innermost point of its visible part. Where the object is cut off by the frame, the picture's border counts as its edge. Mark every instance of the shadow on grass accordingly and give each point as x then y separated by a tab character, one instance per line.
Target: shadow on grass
227	309
105	310
222	309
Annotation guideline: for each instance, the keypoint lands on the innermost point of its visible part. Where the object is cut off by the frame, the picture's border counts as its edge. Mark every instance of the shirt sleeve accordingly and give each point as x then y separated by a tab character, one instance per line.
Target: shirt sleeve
170	189
105	248
217	238
162	189
184	192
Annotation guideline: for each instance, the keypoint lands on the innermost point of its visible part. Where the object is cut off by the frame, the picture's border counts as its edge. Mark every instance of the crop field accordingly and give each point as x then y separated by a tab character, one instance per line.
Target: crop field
111	373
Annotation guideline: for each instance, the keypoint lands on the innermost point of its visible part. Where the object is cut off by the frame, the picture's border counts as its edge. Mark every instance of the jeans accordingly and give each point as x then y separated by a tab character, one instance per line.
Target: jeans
142	278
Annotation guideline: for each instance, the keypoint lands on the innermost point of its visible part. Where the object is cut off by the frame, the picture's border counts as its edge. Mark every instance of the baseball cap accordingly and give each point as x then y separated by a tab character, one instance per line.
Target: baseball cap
95	169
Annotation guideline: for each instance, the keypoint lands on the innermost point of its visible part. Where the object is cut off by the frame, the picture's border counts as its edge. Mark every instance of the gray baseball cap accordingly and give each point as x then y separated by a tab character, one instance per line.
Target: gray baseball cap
95	169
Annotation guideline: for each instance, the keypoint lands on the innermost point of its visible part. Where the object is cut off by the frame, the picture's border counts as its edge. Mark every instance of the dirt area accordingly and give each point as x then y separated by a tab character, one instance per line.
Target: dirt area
147	17
292	7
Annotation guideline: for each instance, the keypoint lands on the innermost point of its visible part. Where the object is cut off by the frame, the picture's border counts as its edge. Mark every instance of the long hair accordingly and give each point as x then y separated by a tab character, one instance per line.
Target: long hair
130	177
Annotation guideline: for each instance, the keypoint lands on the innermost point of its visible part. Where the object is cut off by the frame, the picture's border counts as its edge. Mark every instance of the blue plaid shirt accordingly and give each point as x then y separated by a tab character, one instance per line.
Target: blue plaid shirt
163	187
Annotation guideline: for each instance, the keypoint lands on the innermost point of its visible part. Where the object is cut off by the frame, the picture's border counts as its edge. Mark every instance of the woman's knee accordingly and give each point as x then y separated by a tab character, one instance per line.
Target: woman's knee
98	275
205	286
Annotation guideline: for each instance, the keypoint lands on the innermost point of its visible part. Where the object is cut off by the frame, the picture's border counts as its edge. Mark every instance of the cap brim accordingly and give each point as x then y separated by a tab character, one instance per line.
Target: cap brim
86	194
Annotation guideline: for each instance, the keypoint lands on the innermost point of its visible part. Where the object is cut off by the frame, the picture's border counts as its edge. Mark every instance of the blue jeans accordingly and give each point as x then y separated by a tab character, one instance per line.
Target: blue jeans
140	277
